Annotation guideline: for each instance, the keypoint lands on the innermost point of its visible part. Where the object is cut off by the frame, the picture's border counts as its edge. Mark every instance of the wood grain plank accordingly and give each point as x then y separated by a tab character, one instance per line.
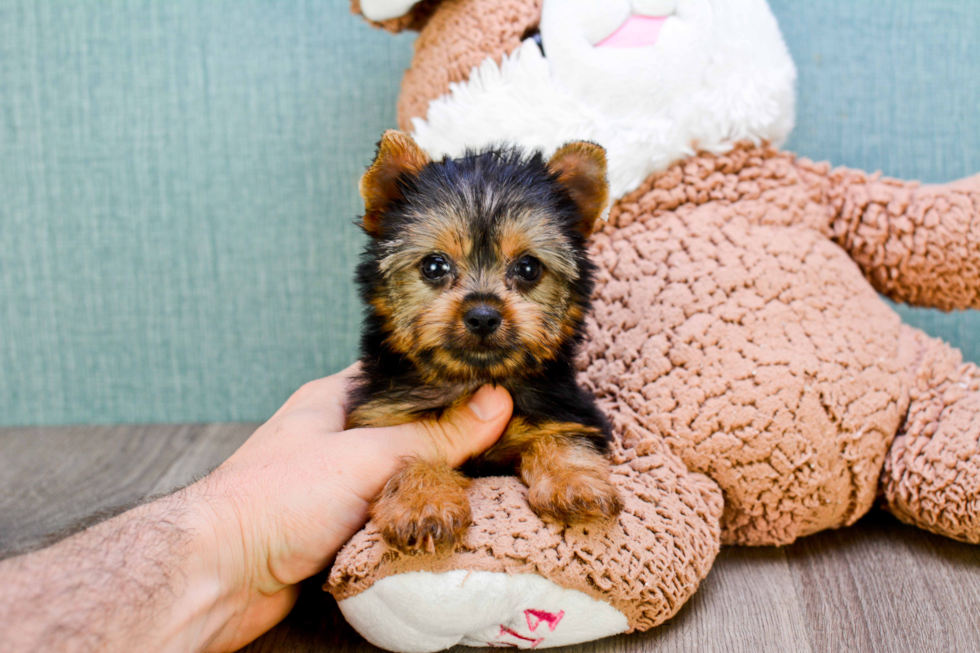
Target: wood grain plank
747	603
215	444
951	570
52	477
877	586
884	586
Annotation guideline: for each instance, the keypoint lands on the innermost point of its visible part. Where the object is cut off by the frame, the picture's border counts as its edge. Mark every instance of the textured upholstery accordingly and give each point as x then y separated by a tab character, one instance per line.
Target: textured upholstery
178	183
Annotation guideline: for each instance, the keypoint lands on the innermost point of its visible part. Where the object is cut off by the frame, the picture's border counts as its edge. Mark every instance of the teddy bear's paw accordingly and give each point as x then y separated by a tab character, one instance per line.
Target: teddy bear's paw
574	496
423	509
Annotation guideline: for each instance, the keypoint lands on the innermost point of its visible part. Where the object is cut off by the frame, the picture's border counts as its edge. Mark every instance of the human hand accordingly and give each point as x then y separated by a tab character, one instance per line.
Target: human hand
216	564
292	495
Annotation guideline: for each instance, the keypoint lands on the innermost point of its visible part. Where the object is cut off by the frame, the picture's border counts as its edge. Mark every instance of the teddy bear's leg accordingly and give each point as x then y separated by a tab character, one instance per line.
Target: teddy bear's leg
517	581
931	476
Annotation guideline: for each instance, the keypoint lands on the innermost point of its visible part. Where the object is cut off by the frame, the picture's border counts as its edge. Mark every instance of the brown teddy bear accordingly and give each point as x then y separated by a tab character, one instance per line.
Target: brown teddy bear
759	387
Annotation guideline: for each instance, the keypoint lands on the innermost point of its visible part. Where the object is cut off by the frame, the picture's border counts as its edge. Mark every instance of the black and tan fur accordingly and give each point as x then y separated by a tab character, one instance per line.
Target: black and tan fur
504	232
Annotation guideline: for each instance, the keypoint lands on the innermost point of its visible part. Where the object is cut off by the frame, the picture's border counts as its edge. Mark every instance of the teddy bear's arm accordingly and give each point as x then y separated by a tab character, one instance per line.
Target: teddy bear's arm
917	244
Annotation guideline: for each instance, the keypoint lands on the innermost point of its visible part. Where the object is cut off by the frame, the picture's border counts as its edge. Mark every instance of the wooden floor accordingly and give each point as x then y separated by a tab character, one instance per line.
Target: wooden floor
878	586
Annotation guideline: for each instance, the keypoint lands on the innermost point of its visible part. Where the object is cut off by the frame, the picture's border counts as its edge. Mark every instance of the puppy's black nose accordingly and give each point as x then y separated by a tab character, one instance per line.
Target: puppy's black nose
482	319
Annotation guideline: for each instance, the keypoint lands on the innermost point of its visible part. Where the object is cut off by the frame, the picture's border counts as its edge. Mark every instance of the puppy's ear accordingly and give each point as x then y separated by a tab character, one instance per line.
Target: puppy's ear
398	156
581	170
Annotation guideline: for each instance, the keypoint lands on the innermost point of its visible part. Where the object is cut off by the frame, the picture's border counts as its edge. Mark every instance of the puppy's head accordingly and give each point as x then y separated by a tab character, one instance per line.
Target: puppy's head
477	268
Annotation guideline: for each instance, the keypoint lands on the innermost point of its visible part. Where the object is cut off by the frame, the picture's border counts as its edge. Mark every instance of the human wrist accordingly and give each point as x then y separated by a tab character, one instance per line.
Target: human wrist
240	542
209	594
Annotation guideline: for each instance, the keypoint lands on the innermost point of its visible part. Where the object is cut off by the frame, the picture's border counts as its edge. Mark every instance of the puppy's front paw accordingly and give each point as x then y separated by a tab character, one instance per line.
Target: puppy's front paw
423	508
574	496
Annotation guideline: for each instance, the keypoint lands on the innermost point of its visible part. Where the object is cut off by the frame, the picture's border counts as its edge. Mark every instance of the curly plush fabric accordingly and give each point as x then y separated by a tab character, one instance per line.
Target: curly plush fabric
732	327
646	565
733	340
931	477
917	244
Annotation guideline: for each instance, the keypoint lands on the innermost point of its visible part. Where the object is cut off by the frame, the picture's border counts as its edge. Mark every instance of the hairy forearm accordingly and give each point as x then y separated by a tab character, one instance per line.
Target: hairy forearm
147	580
208	568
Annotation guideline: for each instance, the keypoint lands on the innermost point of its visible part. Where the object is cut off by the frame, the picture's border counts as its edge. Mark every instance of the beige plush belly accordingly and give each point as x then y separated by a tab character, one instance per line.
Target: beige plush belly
762	356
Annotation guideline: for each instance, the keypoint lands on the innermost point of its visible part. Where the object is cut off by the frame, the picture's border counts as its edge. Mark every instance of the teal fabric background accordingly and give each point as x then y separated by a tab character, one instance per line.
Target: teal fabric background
178	183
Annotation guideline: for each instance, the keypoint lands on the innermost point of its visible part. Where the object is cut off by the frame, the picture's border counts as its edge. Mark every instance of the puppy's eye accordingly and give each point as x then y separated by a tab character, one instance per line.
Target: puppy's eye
435	267
528	268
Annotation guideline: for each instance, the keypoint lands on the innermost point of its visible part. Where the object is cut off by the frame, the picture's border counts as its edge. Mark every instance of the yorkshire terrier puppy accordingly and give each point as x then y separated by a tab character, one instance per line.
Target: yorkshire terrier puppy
477	272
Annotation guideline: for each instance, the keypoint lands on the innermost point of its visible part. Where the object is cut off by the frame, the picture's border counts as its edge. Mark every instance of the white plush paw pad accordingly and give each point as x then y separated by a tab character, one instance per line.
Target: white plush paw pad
419	612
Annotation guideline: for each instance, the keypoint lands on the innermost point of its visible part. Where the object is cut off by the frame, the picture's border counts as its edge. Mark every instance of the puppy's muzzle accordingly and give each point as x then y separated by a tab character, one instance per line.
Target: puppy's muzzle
482	320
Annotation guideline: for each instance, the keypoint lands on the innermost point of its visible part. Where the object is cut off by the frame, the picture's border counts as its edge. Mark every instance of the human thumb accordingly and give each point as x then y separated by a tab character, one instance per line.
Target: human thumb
462	432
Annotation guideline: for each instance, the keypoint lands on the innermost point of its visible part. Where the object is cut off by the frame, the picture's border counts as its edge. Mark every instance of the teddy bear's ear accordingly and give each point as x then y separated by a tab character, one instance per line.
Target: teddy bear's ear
398	156
395	15
581	168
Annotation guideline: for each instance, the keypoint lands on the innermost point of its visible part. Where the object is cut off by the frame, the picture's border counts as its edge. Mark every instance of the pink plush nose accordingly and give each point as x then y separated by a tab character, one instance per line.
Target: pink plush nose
636	32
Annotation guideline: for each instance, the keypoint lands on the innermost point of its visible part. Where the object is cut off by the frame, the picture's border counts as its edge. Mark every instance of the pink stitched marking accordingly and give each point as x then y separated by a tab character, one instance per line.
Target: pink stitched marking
535	617
504	630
